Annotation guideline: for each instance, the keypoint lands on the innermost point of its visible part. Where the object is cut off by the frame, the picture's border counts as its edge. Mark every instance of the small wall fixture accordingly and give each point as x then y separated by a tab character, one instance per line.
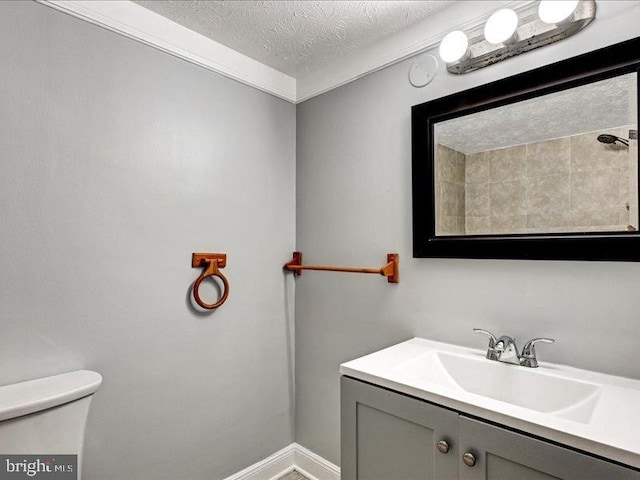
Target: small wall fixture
212	263
507	33
391	269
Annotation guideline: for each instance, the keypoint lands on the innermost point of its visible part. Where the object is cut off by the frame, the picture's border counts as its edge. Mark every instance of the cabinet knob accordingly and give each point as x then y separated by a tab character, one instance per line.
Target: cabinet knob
443	447
469	459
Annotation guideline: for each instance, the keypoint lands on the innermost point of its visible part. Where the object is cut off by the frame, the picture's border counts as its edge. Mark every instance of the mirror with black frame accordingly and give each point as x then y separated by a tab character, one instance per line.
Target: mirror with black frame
563	162
542	165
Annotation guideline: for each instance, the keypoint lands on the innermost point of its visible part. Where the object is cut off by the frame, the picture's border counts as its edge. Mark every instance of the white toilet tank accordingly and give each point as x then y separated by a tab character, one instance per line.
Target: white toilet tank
47	416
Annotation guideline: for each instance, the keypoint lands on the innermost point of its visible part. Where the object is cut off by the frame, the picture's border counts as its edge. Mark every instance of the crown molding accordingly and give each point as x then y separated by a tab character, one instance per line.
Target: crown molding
136	22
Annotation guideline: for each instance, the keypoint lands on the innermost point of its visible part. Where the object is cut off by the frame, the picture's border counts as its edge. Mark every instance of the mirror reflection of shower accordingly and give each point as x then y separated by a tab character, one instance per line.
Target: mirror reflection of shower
609	139
568	164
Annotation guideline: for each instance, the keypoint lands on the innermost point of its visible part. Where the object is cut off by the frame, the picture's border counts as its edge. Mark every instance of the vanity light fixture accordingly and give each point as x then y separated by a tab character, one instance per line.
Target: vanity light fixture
508	33
502	27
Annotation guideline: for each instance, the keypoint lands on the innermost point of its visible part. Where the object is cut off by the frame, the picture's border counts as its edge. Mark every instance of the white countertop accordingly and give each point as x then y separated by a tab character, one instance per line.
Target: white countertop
607	423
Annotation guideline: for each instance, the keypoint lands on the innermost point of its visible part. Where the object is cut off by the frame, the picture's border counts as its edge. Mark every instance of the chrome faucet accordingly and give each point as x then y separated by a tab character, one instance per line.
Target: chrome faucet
504	349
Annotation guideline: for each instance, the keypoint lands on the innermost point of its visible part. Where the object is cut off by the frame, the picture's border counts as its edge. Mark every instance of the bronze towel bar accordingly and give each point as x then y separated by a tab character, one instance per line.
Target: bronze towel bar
391	270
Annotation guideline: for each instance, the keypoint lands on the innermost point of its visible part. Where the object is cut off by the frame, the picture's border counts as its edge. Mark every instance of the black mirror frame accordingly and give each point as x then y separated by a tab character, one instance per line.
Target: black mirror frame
598	65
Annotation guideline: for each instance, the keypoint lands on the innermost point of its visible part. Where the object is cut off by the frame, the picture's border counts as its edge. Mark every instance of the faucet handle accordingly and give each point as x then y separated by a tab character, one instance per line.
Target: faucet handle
492	337
491	351
529	346
529	358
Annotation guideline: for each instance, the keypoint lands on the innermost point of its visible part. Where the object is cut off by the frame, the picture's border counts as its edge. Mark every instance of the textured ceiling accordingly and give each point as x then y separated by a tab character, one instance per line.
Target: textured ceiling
596	106
295	37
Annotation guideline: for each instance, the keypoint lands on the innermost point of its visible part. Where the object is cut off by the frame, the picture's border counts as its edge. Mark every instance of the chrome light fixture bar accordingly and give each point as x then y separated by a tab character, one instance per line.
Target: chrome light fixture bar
505	35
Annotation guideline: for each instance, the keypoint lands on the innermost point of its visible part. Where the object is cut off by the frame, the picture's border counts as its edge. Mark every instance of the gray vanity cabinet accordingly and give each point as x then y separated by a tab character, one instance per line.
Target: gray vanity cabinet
391	436
502	454
388	436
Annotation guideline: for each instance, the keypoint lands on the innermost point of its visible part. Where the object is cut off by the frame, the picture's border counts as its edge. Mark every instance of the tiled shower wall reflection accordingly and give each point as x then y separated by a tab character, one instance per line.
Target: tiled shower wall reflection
561	185
450	191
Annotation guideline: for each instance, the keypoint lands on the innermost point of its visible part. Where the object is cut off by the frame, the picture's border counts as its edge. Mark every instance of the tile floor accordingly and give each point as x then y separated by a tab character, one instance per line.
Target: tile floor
293	476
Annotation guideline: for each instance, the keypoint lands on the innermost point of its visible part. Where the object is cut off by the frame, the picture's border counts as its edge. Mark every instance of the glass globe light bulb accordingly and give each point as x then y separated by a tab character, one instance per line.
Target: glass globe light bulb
556	12
454	46
501	26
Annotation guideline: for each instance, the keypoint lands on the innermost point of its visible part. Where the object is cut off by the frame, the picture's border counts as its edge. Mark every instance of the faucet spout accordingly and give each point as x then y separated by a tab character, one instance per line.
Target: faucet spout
508	351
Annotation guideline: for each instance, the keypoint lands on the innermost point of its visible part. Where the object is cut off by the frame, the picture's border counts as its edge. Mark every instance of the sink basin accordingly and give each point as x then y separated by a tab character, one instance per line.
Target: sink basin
524	387
590	411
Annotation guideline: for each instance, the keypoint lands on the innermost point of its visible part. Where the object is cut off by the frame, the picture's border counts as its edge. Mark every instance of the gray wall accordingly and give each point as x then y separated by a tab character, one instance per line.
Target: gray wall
117	162
354	205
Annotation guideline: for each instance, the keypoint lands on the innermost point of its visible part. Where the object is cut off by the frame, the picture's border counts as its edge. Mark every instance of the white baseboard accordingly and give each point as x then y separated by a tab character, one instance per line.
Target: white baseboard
291	457
313	466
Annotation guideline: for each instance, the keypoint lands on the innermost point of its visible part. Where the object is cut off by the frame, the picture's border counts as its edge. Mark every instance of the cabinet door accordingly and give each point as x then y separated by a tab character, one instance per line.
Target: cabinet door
503	455
390	436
